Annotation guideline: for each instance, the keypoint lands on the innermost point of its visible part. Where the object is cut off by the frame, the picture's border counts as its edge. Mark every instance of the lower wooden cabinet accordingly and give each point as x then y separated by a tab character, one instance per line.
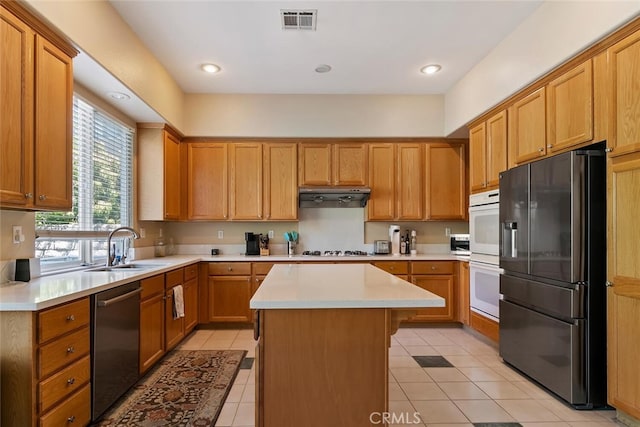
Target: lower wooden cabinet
174	328
229	298
441	285
190	305
463	296
151	321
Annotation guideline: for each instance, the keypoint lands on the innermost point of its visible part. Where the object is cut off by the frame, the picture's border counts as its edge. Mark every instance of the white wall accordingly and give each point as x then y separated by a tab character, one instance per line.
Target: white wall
556	31
314	115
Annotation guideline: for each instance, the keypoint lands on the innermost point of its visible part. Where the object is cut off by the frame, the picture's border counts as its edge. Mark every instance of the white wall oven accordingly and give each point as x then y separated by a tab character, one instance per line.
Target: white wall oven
484	235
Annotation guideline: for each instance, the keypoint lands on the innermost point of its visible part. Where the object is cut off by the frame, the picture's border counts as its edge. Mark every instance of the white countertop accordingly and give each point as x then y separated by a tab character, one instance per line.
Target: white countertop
338	286
48	291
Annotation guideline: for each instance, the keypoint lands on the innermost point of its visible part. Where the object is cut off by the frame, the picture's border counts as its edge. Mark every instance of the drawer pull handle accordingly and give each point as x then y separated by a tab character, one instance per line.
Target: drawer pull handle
391	268
70	350
28	196
71	318
433	267
43	197
71	381
229	269
71	419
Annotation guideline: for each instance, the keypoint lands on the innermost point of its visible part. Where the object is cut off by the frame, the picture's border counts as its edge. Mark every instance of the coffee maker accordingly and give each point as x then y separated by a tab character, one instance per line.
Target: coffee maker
253	243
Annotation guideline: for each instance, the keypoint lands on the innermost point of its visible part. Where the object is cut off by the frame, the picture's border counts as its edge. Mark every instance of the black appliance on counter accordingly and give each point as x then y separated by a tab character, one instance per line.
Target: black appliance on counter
553	252
253	243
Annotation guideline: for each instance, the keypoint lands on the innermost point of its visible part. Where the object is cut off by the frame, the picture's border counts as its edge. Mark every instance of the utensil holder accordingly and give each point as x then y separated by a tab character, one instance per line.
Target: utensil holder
291	248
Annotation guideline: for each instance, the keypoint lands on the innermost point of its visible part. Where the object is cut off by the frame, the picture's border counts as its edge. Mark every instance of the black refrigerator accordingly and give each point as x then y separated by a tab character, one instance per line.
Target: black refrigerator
553	253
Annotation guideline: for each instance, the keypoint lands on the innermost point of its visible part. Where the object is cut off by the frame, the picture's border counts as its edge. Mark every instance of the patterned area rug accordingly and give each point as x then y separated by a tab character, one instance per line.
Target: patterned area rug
186	388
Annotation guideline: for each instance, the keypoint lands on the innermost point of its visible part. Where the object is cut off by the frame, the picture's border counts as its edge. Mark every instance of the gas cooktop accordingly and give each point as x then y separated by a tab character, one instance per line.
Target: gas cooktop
335	253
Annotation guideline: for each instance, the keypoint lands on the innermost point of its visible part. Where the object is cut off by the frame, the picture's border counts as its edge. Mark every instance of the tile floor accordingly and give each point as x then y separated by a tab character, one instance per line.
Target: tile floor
478	389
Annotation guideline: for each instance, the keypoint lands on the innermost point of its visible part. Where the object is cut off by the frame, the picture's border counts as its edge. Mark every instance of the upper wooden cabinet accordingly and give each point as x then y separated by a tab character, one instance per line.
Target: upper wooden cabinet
624	96
36	110
207	194
332	164
396	181
244	181
445	182
488	152
159	188
280	183
570	108
527	128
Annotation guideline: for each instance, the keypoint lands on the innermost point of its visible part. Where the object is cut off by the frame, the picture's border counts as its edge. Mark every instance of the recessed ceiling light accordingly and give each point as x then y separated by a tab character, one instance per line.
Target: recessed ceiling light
323	68
119	96
210	68
430	69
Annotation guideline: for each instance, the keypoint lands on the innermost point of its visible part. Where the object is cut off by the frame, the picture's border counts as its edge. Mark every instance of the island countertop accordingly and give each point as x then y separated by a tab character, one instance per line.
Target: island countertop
300	286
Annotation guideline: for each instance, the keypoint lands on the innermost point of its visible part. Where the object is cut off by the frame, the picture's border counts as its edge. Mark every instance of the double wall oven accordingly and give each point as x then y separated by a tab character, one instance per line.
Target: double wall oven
484	270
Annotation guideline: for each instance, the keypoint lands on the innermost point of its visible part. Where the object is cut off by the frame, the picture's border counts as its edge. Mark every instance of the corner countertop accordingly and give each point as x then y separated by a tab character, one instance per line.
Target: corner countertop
48	291
304	286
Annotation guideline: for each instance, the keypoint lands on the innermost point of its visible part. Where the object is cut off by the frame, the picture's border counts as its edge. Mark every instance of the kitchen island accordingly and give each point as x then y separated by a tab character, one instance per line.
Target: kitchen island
323	338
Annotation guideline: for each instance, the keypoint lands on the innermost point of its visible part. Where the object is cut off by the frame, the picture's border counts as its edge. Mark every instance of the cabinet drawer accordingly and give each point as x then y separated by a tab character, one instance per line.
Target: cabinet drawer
62	319
76	410
432	267
190	272
174	278
229	268
152	286
63	351
393	267
65	382
262	268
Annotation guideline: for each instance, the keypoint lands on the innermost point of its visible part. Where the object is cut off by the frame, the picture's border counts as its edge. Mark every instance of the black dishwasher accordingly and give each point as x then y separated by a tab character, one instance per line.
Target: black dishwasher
115	320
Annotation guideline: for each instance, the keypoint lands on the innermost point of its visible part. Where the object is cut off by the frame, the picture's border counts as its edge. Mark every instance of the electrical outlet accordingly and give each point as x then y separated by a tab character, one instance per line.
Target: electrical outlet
220	234
143	233
447	231
18	237
271	234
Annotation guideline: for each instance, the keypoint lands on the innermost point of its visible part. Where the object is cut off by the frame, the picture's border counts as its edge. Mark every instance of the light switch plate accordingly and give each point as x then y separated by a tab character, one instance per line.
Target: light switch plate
220	234
271	234
18	237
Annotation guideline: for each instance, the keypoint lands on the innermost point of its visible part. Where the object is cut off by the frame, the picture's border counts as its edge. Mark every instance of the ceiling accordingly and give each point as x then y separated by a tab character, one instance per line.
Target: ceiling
373	47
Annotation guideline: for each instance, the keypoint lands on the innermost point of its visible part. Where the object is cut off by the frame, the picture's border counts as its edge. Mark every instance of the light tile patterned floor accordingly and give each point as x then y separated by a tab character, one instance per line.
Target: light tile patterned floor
480	388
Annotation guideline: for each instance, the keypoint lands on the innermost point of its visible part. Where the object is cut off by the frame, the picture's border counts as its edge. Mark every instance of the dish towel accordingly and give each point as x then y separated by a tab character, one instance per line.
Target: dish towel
178	302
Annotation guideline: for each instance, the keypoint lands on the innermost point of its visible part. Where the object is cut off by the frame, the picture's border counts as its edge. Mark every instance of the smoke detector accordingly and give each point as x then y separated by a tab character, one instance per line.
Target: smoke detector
293	19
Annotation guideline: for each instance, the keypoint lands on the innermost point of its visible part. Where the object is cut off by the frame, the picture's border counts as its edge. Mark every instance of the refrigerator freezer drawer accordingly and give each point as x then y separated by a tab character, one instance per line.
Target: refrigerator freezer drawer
548	350
556	301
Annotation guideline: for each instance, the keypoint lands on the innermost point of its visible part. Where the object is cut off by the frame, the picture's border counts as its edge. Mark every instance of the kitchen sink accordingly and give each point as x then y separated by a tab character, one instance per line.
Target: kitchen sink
126	267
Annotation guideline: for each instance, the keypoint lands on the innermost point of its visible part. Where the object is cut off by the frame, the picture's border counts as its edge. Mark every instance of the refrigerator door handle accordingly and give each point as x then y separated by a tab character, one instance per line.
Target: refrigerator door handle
514	242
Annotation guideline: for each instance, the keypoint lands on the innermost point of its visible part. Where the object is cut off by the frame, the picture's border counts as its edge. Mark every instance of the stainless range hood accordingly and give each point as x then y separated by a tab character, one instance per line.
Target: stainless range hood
333	197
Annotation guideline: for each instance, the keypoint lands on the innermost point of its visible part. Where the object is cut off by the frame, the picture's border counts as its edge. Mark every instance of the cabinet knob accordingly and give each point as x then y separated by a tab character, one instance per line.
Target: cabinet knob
229	269
43	197
71	419
28	196
260	216
608	284
608	149
70	350
224	216
541	149
71	318
550	146
71	381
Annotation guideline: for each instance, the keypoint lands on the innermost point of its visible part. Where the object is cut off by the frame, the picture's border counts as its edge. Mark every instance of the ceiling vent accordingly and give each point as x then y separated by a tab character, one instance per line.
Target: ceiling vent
298	19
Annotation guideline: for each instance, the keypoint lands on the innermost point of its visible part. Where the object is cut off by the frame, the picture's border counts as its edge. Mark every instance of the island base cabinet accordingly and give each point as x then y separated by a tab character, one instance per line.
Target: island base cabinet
322	367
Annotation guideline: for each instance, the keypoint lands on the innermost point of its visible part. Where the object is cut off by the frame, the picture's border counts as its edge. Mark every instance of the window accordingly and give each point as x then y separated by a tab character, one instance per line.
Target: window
102	192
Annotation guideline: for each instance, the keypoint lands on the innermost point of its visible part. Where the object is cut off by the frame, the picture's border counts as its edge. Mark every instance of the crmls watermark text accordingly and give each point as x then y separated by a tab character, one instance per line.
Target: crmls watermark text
395	418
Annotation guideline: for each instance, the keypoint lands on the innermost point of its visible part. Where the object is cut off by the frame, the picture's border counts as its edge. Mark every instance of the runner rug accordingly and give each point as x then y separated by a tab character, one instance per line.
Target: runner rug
186	388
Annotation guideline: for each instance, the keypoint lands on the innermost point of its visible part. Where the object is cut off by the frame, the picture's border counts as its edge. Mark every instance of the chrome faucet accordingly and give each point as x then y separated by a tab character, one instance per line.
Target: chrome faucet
110	258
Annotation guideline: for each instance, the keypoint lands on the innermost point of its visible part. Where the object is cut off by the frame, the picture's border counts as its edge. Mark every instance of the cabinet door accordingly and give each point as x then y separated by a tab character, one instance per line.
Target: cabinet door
173	328
478	156
496	151
623	299
171	177
441	285
350	164
53	127
229	298
280	181
410	181
570	108
528	130
624	95
190	305
151	331
314	164
382	180
16	110
207	180
445	183
245	181
463	293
